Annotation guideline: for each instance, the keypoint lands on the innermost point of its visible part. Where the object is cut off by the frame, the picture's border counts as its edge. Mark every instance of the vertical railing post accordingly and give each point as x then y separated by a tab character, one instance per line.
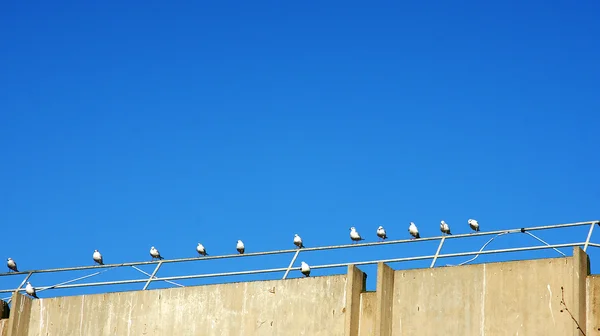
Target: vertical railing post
589	236
291	264
152	276
437	252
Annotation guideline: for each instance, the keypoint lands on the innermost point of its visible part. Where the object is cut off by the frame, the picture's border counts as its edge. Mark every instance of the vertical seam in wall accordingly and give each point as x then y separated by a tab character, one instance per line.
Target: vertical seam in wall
81	316
482	326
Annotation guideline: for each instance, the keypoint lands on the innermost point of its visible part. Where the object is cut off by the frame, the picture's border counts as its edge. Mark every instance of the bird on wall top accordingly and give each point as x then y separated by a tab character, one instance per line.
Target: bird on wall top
474	225
298	241
445	228
381	233
354	235
97	257
240	247
29	289
12	265
201	250
305	269
155	254
413	230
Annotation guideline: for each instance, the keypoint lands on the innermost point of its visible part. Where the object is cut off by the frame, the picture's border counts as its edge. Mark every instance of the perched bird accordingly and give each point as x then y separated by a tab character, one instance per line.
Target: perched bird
305	269
98	257
240	247
29	289
201	250
298	241
445	228
474	224
412	229
12	265
354	235
381	233
155	254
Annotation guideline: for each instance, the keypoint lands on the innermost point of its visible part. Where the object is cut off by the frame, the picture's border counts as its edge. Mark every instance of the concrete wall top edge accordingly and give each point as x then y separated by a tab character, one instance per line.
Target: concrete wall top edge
208	286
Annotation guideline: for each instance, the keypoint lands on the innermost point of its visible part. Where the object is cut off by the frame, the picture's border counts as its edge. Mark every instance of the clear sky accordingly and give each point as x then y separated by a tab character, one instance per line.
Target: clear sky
161	123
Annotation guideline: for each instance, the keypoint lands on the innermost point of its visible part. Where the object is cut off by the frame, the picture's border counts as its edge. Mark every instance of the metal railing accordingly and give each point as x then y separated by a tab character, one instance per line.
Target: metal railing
152	277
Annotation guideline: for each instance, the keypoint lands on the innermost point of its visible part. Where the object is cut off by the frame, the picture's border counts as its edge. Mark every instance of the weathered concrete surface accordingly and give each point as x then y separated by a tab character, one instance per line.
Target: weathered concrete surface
366	325
385	297
508	298
18	323
357	282
308	306
593	305
4	327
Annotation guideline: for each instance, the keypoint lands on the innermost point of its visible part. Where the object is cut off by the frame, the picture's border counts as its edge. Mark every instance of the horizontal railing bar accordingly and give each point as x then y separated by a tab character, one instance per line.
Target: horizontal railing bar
283	269
306	249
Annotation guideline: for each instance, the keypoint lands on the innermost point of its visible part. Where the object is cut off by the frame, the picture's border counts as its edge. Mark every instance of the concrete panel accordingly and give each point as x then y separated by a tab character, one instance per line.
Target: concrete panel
385	298
593	305
438	301
18	323
466	300
366	326
307	306
581	269
4	327
357	282
531	292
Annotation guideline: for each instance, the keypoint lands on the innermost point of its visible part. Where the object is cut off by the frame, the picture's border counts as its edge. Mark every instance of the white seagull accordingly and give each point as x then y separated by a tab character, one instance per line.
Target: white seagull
305	269
201	250
412	229
155	254
354	235
381	233
298	241
29	289
240	247
474	224
12	265
445	228
97	257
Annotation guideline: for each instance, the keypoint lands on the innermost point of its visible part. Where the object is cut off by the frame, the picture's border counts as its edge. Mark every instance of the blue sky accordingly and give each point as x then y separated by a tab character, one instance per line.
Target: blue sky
150	123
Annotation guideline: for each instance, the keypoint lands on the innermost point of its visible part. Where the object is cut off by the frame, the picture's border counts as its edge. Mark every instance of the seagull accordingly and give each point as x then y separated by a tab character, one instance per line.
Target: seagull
98	257
381	233
30	290
412	229
201	250
354	235
155	254
474	224
240	247
298	241
12	265
305	269
445	228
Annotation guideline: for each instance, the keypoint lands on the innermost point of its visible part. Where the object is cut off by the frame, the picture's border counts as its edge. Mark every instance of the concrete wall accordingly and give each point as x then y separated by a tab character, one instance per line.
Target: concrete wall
509	298
593	305
309	306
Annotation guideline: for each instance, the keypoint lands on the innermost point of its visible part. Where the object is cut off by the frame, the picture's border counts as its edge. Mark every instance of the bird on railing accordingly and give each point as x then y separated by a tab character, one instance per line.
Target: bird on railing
354	235
381	233
445	228
155	254
474	225
305	269
12	265
298	241
29	289
240	247
97	257
201	250
413	230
